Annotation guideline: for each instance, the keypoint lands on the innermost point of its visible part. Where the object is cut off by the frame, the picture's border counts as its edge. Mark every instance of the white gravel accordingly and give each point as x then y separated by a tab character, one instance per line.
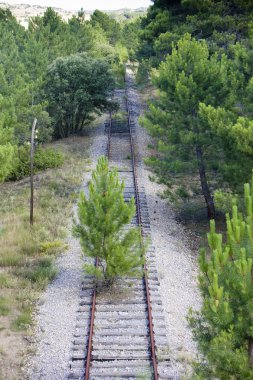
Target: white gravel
176	263
56	311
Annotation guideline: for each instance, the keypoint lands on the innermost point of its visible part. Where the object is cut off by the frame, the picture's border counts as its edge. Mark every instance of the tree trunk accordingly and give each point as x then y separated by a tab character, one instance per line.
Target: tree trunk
204	185
250	351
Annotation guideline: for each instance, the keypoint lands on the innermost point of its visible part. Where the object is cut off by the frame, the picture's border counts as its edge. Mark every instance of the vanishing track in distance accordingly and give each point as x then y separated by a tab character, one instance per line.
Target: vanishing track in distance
120	332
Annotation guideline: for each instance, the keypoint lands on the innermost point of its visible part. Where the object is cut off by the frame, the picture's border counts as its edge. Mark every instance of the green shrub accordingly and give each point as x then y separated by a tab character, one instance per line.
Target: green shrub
4	310
23	321
142	76
53	247
224	200
44	158
40	272
119	72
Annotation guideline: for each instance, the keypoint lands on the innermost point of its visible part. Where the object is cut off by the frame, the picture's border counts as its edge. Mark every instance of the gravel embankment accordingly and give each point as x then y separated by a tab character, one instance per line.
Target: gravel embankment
56	312
176	263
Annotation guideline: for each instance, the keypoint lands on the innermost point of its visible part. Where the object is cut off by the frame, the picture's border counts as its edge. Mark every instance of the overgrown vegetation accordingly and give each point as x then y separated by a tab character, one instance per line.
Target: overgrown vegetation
201	120
102	218
81	91
198	55
27	254
223	328
62	73
62	93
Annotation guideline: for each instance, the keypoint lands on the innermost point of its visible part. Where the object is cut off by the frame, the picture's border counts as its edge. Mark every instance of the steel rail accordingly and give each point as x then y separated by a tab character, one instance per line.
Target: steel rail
137	202
138	211
94	296
92	318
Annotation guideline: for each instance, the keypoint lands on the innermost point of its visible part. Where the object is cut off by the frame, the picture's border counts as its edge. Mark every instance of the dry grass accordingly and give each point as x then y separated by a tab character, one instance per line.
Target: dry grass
27	253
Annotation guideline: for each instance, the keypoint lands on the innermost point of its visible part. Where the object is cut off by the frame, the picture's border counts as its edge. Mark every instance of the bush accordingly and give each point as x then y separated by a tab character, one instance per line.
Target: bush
52	247
78	88
40	272
119	73
142	76
44	158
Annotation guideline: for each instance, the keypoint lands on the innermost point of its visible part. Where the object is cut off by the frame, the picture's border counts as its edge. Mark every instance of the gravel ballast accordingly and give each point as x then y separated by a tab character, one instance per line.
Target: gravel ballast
176	263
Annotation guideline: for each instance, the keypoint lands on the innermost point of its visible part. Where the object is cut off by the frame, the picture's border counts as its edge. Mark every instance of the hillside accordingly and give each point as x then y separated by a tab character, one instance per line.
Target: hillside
23	12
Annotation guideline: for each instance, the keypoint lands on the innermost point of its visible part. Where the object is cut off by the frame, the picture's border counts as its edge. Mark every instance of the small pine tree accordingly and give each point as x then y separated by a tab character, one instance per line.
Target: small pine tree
224	326
102	218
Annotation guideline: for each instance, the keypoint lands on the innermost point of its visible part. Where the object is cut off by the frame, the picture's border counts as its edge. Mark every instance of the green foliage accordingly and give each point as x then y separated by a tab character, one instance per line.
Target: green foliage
40	272
188	78
52	247
142	76
110	27
44	158
223	327
23	321
7	152
24	59
102	218
4	309
224	200
77	88
130	34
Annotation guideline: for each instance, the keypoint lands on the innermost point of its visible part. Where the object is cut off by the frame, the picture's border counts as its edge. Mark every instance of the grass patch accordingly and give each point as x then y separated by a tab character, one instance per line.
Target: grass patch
7	281
4	309
10	260
53	247
23	321
39	272
27	254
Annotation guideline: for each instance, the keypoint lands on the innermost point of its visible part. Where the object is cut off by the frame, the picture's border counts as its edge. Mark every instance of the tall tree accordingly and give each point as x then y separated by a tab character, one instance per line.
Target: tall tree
7	147
187	78
110	27
77	88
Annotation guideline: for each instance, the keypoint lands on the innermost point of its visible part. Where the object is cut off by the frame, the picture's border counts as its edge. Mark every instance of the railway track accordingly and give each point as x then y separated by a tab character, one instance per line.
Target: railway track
120	332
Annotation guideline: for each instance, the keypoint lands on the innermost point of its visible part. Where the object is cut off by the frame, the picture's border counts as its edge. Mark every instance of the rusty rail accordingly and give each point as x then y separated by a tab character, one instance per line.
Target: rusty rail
137	202
94	296
92	318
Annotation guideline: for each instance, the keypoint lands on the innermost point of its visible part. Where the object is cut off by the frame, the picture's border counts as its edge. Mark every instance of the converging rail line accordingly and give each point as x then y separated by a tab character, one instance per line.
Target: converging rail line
120	332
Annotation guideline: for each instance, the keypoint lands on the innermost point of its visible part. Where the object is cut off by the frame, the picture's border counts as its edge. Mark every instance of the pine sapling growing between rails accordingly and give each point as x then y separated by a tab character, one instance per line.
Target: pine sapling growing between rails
101	228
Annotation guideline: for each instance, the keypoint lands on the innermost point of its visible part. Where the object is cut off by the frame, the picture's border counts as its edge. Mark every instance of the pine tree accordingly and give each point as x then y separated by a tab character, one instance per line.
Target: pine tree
224	326
7	148
102	221
189	77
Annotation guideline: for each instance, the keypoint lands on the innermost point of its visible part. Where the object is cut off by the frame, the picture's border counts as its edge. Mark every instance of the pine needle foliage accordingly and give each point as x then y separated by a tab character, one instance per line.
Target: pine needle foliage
102	226
224	326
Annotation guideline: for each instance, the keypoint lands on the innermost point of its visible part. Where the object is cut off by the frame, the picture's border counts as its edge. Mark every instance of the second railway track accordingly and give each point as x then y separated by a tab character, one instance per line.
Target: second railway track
120	333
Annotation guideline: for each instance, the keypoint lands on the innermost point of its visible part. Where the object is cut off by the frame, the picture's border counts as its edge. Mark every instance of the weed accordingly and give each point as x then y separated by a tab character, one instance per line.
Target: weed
41	271
4	280
4	309
53	247
10	260
23	321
